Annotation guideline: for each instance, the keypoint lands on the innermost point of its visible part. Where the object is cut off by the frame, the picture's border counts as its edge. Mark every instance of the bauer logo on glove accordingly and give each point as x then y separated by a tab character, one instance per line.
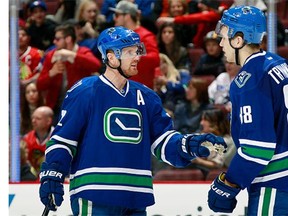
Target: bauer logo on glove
51	173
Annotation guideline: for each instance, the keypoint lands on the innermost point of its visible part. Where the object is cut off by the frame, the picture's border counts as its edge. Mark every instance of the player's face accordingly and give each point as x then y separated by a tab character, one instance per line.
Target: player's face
229	52
130	60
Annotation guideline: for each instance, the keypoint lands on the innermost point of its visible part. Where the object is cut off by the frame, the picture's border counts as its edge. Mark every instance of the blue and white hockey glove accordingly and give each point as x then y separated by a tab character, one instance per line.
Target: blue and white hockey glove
201	145
221	197
51	189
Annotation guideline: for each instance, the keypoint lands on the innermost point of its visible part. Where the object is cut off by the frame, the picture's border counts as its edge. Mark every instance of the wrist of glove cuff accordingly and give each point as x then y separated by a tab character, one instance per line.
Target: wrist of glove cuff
191	148
183	148
50	172
221	197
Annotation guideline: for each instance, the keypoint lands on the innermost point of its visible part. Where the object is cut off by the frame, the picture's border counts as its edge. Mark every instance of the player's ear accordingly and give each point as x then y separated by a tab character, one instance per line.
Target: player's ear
111	57
238	41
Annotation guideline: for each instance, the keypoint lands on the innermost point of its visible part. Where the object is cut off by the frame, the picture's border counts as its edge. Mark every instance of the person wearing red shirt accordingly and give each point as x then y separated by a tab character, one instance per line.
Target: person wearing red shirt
29	57
210	12
35	140
128	15
63	66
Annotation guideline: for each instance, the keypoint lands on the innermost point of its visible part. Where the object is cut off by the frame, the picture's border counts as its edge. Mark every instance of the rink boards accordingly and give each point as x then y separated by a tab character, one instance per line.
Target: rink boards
172	199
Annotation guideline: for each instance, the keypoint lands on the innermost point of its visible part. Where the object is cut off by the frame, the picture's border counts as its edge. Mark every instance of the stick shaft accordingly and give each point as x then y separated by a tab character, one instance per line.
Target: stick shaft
46	211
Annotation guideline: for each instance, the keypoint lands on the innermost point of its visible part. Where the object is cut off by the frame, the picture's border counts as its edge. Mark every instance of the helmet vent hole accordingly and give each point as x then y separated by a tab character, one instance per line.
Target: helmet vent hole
125	41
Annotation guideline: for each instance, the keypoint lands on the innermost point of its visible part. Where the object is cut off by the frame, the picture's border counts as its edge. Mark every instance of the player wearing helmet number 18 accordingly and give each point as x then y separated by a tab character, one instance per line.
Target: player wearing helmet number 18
108	128
259	127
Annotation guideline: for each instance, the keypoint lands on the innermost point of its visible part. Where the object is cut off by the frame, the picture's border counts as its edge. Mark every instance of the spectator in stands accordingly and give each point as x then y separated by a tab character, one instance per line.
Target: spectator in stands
29	57
211	62
40	28
169	83
161	8
216	121
105	10
27	172
88	13
82	38
24	12
218	90
147	18
169	44
66	10
63	66
30	99
36	139
187	114
128	15
206	19
185	33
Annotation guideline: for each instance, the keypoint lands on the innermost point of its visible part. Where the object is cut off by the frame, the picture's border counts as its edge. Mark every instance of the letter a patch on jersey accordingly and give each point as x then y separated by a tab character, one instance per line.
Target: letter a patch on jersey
242	78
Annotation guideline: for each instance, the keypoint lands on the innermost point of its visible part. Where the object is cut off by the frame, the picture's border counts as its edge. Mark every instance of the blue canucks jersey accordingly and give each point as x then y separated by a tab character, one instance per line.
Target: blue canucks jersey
259	123
105	137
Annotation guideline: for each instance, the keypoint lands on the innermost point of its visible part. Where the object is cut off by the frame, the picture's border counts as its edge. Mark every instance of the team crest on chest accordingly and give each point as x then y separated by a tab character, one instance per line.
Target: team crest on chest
242	78
123	125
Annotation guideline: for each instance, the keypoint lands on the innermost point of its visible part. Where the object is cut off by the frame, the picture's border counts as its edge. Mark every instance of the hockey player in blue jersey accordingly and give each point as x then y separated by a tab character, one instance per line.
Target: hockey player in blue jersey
259	119
108	128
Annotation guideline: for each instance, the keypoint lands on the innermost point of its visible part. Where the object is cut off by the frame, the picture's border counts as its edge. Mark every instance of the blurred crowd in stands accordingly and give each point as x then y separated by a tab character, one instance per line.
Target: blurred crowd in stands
184	64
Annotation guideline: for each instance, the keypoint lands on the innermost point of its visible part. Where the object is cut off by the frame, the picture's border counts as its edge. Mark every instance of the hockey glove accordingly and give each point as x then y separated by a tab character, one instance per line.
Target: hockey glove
51	189
221	197
193	145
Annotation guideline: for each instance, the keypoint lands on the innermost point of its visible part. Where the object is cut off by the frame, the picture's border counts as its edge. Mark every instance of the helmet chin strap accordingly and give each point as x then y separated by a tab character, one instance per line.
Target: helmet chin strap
236	51
118	68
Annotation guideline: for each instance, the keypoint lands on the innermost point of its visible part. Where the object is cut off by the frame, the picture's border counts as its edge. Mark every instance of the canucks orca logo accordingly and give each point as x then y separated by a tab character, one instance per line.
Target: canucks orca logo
123	125
242	78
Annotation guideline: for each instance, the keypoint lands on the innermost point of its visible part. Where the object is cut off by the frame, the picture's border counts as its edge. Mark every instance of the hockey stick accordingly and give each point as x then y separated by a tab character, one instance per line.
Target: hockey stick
46	209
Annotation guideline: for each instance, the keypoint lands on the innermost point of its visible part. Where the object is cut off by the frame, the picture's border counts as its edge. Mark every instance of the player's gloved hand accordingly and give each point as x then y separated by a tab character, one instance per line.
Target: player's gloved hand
51	189
221	197
201	145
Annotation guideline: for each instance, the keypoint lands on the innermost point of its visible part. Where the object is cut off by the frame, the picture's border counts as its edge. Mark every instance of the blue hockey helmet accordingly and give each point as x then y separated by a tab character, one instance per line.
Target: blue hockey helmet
117	38
249	20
